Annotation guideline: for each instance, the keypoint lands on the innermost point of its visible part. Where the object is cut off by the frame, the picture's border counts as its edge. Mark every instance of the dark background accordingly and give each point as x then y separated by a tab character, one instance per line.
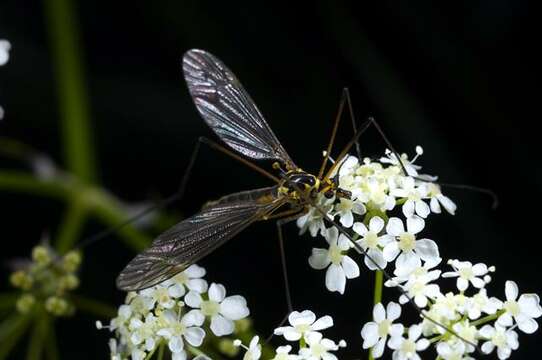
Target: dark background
459	78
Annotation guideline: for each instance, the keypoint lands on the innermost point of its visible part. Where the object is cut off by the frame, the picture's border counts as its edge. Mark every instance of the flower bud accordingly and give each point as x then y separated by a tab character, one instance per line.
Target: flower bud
71	261
227	347
25	303
41	255
57	306
20	279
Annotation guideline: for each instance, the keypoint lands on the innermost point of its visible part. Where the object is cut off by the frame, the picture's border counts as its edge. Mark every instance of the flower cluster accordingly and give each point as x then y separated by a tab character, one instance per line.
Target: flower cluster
304	329
5	46
46	280
386	217
176	312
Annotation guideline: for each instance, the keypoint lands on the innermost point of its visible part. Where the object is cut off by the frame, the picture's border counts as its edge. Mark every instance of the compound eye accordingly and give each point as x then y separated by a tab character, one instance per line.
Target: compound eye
329	194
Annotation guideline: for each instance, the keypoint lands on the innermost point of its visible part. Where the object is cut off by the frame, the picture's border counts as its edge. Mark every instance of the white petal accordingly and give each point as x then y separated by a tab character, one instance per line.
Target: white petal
528	325
374	260
391	251
414	332
415	224
217	292
323	323
234	307
393	310
335	278
530	305
462	284
347	219
448	204
193	299
351	269
395	226
291	334
176	344
360	228
319	259
221	326
395	342
176	290
511	290
488	347
427	249
376	224
422	208
379	313
369	333
198	285
479	269
378	349
478	283
408	260
194	336
195	271
408	208
435	206
181	355
193	318
344	243
305	317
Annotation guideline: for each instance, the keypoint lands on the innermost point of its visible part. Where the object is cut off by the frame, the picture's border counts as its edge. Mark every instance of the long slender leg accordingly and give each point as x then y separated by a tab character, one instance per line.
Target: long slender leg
352	119
178	195
284	266
338	117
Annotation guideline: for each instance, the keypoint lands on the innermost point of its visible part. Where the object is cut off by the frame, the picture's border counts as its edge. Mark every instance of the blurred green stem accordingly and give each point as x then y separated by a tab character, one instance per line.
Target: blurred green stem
11	330
51	346
71	226
11	180
72	97
38	335
94	307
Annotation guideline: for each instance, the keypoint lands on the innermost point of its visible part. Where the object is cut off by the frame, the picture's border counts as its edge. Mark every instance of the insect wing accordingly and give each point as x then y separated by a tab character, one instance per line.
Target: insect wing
228	109
195	237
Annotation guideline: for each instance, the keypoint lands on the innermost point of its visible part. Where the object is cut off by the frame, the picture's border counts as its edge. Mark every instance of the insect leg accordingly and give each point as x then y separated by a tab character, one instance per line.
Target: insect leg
280	237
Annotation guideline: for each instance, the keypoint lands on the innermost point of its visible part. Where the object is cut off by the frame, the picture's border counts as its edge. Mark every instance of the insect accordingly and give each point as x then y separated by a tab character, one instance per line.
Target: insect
230	112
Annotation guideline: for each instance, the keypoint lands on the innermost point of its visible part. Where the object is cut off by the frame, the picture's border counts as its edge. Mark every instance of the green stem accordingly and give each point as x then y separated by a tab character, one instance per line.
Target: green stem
160	352
71	226
11	330
487	318
195	351
72	97
377	298
51	346
93	307
27	183
8	300
38	336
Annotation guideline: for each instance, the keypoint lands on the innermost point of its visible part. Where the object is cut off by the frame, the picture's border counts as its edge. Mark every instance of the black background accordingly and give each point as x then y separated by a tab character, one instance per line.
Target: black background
461	79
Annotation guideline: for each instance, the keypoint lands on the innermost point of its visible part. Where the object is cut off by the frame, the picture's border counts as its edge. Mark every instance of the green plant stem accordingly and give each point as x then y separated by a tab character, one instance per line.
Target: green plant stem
72	97
195	351
71	227
377	298
8	300
18	181
38	336
51	346
487	318
93	307
160	352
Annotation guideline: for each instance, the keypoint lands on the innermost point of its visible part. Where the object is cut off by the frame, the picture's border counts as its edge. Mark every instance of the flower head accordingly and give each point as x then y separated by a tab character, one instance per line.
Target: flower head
303	323
320	348
375	333
523	311
408	348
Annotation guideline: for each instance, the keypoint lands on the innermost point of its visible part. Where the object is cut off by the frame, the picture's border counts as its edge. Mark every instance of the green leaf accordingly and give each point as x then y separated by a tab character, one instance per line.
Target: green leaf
11	330
38	336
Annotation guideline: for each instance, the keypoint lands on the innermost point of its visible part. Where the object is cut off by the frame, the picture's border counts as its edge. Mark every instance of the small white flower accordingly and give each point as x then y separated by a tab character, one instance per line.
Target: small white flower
191	278
303	323
479	303
220	309
253	351
375	333
410	167
143	332
372	243
414	196
319	348
467	273
313	220
438	199
453	350
523	311
188	328
341	266
504	340
346	209
468	333
409	249
283	353
5	46
408	348
419	289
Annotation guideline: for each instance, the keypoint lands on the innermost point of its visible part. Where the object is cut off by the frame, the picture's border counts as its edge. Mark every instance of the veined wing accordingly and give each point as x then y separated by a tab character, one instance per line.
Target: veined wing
228	109
195	237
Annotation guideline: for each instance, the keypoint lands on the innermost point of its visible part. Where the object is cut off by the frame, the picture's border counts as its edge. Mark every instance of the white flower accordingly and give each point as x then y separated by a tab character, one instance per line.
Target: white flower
419	289
505	340
162	295
5	46
375	333
341	266
254	350
411	169
408	348
283	353
302	324
409	249
467	332
188	328
523	311
438	199
191	278
414	196
319	347
466	272
372	243
374	192
479	303
143	332
220	309
346	209
403	274
453	350
313	220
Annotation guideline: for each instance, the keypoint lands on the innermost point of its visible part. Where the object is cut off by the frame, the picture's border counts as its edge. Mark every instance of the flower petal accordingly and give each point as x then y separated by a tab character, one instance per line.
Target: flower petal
511	290
234	307
335	278
350	267
221	326
217	292
305	317
415	224
194	335
323	323
395	226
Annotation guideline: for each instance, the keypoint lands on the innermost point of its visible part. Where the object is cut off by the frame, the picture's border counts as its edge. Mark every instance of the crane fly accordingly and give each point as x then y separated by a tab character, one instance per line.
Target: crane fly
230	112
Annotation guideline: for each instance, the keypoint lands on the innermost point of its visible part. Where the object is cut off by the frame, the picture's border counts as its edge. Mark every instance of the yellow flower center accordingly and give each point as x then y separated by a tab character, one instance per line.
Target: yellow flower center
335	254
209	307
384	327
512	307
407	242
